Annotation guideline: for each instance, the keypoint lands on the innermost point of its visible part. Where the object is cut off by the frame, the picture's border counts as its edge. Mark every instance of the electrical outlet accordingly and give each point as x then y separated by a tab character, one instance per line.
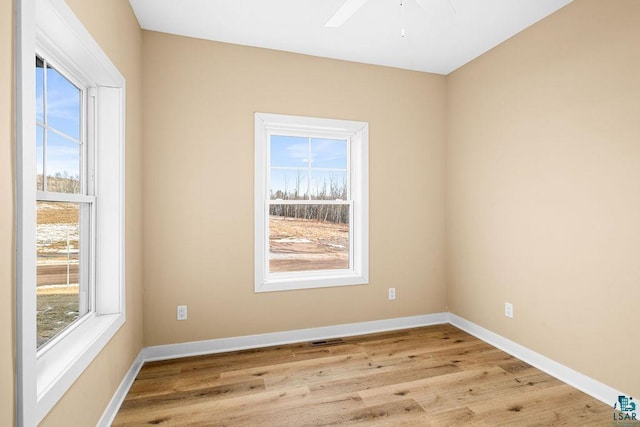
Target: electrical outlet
392	293
508	309
181	312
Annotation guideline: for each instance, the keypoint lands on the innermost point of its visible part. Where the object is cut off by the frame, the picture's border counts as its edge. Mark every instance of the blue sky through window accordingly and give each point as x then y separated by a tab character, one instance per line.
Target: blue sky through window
63	121
63	104
304	167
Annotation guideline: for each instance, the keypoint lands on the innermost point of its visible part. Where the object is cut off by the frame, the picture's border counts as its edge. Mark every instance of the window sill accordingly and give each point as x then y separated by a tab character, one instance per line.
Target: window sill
59	366
310	280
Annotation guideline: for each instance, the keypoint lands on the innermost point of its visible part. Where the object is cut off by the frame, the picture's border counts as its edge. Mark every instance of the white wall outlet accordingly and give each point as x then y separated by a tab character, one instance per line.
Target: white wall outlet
392	293
508	309
181	312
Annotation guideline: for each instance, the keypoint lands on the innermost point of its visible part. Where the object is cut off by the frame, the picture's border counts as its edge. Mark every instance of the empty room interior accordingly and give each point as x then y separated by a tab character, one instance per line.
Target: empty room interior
492	197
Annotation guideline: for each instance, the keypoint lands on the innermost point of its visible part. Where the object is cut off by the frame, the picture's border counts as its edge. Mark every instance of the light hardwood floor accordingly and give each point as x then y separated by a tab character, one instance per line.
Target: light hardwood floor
430	376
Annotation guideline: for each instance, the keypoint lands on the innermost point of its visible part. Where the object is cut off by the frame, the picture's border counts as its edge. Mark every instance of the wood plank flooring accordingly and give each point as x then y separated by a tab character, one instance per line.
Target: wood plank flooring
430	376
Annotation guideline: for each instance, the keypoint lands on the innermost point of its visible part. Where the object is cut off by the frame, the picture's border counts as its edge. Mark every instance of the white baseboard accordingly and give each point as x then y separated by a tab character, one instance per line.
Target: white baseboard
111	411
588	385
172	351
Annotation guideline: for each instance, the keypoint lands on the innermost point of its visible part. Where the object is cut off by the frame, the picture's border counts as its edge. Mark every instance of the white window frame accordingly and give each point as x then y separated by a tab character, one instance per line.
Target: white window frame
357	135
49	28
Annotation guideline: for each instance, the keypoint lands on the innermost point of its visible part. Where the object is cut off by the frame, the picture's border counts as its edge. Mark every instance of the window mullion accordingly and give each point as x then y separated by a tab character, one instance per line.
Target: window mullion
58	132
45	133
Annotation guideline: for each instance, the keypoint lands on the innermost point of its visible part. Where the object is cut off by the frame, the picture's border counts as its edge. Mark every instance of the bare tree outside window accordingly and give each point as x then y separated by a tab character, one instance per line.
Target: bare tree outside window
309	223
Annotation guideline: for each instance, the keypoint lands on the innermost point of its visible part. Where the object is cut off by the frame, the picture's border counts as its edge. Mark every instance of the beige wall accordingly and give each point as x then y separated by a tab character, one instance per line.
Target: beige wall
7	225
543	197
113	25
199	104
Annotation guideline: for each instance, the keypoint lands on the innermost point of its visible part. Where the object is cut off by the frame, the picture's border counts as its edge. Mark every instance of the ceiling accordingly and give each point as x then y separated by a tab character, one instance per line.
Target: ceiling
438	40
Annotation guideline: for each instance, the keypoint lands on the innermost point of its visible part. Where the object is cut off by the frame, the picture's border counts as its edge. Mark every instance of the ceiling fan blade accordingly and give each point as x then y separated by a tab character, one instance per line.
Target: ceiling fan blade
346	10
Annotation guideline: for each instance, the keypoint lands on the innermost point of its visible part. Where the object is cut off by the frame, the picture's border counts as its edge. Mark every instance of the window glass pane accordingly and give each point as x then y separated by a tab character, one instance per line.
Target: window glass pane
63	104
39	89
308	168
329	153
308	237
39	158
328	185
289	151
58	268
289	184
62	164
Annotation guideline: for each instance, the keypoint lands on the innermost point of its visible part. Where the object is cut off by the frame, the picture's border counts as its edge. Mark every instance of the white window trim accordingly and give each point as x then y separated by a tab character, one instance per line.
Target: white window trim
50	27
358	135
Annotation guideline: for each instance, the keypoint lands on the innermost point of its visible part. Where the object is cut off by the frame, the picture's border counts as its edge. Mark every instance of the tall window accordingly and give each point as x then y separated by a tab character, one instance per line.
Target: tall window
311	202
65	200
70	202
